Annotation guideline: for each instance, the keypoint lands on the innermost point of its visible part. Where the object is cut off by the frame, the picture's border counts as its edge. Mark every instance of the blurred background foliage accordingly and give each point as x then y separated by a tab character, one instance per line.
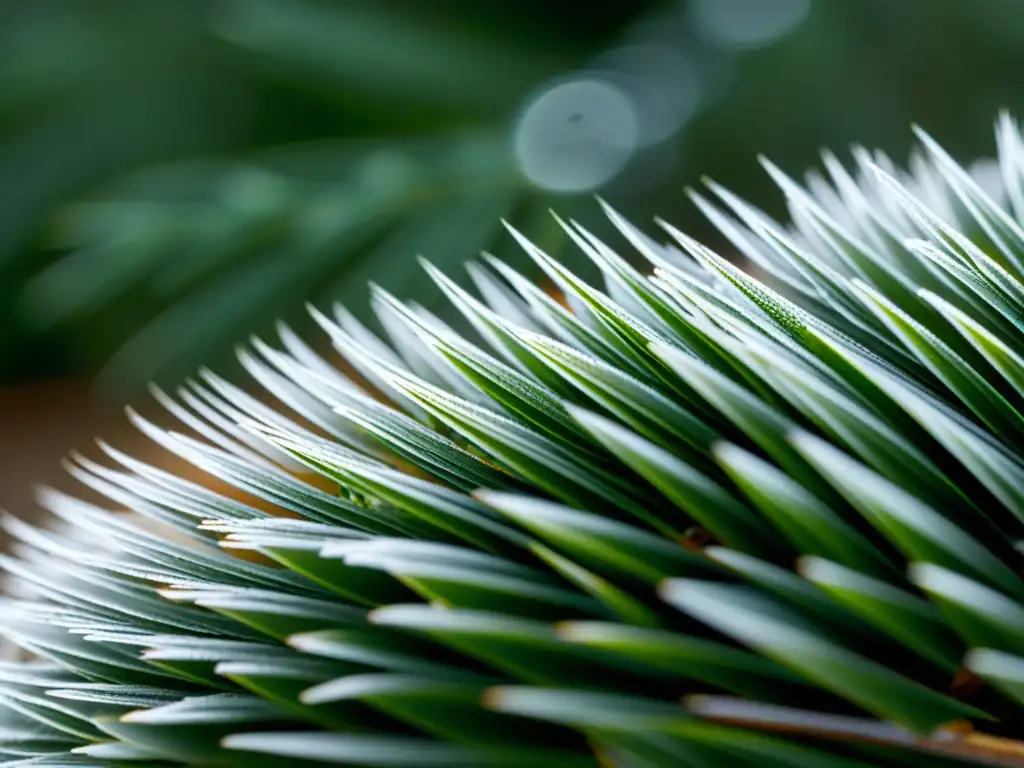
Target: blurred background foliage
175	174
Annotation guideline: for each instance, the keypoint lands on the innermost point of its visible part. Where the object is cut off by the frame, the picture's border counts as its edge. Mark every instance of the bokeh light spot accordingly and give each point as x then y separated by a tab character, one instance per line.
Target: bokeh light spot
576	135
662	84
749	23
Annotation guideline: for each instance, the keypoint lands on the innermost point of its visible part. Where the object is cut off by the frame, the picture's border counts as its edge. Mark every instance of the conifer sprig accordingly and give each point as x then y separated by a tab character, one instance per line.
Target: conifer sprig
688	517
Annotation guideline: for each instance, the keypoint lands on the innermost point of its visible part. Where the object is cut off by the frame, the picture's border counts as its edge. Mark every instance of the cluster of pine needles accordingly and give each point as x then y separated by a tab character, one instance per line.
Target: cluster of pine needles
686	517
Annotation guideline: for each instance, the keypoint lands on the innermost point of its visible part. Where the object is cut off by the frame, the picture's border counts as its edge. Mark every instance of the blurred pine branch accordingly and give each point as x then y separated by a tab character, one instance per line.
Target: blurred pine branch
173	175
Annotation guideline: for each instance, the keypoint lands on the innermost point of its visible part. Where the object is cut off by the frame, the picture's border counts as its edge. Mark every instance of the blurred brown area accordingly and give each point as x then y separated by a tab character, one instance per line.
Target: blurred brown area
40	423
43	423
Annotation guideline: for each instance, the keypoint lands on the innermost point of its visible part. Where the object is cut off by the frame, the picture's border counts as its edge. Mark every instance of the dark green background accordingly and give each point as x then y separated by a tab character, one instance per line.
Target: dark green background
157	103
